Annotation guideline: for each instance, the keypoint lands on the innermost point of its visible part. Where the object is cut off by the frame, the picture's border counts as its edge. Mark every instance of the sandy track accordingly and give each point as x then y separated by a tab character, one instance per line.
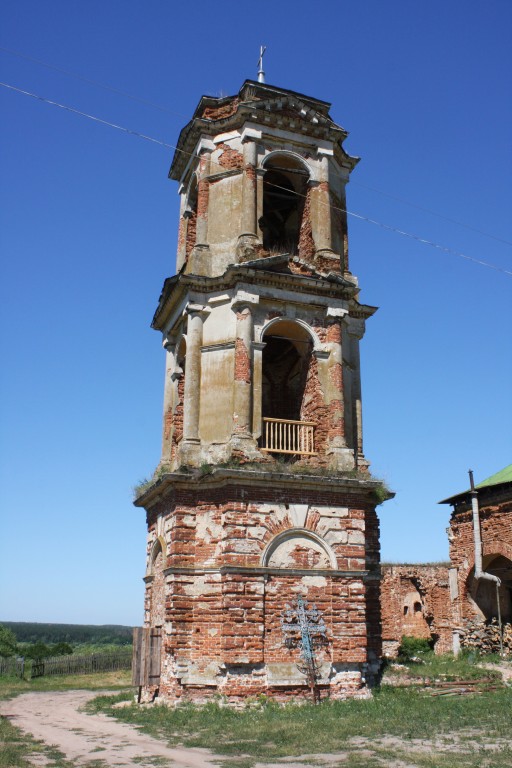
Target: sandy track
54	718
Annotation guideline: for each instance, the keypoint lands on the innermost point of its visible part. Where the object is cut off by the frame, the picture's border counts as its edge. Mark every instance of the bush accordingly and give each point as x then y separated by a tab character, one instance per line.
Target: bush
412	647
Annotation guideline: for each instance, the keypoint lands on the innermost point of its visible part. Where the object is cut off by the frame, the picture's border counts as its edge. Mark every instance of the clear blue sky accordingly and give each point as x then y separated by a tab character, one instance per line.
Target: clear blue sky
88	234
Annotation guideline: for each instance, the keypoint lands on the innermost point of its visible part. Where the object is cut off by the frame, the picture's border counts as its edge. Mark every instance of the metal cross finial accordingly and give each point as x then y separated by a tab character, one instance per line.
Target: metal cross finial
303	627
261	73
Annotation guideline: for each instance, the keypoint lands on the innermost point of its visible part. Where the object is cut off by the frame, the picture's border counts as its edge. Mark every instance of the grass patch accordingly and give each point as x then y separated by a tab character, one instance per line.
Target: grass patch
443	668
17	749
12	686
396	724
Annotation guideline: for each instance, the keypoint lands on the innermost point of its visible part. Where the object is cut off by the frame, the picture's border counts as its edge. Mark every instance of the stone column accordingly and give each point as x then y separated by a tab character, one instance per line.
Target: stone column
198	261
248	239
257	382
190	444
344	222
243	372
356	333
341	455
242	437
170	364
181	255
321	215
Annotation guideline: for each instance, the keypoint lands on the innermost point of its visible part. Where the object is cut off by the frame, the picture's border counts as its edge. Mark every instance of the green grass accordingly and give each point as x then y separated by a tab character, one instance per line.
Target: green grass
17	748
12	686
405	724
444	668
398	725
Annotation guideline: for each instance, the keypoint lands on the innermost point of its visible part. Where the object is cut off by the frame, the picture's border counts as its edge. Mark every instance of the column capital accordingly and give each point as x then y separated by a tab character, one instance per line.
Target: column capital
196	309
169	341
356	327
336	313
244	299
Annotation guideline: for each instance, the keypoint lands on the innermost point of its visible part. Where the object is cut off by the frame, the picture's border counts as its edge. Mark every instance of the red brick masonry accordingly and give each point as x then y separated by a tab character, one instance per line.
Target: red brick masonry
241	545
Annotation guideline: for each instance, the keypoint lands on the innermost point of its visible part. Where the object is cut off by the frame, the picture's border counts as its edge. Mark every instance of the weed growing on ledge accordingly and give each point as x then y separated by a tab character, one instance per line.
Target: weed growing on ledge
146	483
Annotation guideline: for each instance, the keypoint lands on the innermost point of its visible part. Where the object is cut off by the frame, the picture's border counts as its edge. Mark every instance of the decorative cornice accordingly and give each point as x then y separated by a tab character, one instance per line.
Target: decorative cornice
256	272
266	477
261	104
249	570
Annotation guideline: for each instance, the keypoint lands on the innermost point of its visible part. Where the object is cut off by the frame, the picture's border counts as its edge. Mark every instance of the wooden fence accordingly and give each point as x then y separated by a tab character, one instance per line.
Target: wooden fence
83	665
12	666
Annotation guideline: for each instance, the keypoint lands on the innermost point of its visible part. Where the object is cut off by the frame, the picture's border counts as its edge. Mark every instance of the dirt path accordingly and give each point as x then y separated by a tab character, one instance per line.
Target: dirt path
94	739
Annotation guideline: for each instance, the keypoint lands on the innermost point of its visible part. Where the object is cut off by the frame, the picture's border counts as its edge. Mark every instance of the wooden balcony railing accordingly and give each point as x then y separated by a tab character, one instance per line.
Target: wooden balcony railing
286	436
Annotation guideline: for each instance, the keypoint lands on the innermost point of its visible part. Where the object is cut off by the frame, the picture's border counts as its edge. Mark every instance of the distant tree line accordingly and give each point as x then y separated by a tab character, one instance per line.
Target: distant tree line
71	634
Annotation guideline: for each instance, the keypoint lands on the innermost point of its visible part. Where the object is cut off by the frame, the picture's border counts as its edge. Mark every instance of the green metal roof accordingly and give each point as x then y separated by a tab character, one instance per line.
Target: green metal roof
503	476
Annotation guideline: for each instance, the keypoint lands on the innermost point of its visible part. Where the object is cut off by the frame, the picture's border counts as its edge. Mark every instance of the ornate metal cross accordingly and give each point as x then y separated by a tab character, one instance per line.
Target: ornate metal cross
304	627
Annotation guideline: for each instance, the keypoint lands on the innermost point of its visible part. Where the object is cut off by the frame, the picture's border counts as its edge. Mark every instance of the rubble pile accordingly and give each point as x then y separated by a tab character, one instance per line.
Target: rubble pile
485	638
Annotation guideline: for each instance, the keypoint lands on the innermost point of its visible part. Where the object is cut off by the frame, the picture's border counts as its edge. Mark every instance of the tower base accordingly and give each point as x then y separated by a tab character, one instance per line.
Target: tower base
241	548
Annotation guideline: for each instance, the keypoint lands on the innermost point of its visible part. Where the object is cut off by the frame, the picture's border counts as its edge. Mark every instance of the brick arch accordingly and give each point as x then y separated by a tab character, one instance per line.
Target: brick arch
275	527
277	153
492	547
159	545
317	345
297	533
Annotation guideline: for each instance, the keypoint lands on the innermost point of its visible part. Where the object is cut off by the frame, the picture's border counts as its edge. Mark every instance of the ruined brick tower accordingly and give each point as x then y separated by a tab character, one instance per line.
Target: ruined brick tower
262	498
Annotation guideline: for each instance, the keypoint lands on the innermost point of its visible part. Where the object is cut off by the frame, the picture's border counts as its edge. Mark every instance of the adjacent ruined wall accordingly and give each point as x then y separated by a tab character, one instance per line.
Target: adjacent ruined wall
415	602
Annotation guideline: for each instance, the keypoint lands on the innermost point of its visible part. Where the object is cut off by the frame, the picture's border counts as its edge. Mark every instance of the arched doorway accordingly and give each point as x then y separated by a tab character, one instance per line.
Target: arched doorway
484	593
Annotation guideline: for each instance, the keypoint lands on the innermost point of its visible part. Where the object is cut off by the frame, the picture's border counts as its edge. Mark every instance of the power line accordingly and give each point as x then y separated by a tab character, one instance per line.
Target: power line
429	210
380	224
90	117
402	232
180	114
93	82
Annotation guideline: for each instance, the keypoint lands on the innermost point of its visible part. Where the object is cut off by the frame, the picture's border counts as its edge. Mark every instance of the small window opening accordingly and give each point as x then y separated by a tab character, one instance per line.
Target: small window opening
406	610
417	607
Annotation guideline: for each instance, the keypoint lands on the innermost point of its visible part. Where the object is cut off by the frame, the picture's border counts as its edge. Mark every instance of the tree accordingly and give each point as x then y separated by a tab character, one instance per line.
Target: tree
37	651
61	649
8	642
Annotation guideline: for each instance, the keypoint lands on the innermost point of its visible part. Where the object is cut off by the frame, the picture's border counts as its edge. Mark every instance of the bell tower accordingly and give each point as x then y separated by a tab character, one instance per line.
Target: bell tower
262	505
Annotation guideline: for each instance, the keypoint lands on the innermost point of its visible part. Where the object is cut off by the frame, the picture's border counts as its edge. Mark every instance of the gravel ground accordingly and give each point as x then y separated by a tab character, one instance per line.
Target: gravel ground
55	718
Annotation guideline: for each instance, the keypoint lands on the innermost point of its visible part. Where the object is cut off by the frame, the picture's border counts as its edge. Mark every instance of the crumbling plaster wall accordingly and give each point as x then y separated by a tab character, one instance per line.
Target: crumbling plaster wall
222	629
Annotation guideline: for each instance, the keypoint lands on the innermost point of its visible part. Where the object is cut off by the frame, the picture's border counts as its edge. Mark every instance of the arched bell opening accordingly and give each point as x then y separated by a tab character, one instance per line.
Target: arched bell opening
286	360
484	593
284	196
